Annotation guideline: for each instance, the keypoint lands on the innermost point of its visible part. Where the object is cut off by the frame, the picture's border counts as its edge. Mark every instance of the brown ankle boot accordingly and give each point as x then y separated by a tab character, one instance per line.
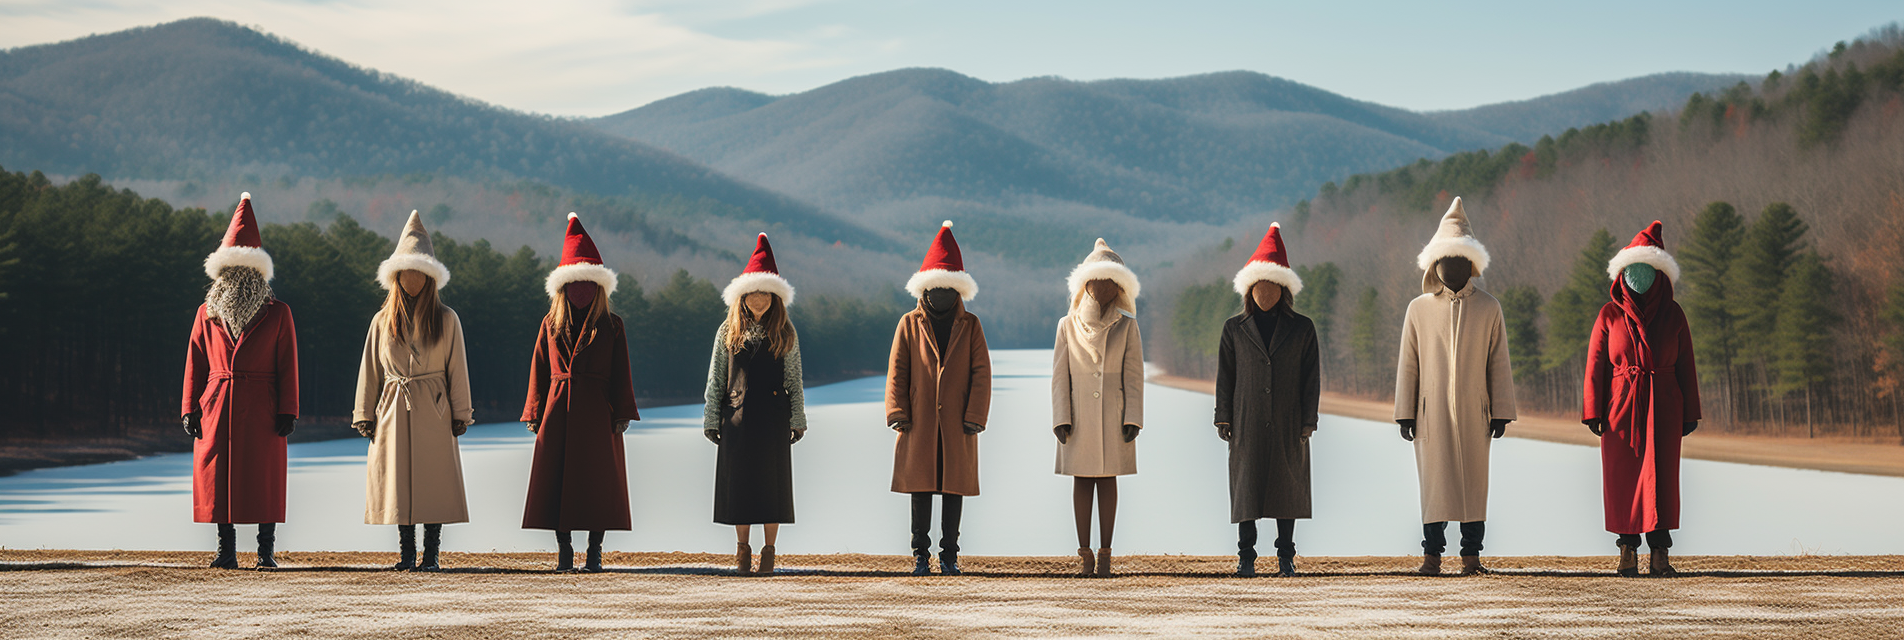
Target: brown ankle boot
1087	563
743	558
766	560
1430	566
1104	562
1471	565
1662	567
1629	561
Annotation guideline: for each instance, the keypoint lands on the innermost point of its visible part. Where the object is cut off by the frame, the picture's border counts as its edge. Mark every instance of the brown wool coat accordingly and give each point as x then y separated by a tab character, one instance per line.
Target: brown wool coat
412	392
938	393
579	480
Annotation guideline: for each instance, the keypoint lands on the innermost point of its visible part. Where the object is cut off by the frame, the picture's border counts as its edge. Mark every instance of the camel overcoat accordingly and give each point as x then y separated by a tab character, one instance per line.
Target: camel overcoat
412	392
1646	408
579	479
938	393
1451	377
239	387
1097	387
1268	394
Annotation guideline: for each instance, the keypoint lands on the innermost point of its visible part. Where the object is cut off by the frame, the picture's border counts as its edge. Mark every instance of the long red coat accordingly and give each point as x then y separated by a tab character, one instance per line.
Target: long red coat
240	387
1645	410
579	481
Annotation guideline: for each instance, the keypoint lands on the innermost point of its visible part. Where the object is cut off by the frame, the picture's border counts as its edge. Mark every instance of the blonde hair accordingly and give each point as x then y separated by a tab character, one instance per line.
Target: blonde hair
399	316
561	314
774	323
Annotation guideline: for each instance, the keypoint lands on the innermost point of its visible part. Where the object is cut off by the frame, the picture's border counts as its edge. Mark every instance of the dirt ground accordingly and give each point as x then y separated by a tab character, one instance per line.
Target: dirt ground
344	595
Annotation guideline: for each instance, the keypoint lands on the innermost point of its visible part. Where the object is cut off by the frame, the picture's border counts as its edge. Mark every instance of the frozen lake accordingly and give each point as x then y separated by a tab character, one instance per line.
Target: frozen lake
1545	498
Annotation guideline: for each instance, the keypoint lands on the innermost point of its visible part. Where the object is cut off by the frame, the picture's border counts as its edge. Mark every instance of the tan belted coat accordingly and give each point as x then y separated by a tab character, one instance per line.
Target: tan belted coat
413	391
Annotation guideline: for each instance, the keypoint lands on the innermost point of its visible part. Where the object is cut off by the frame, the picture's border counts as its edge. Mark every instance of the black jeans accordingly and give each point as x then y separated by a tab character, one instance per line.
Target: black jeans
948	527
1285	538
1434	537
1661	539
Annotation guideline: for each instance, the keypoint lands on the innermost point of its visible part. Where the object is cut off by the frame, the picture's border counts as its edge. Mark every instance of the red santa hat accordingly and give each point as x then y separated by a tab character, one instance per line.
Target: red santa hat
580	262
414	253
943	268
1269	263
1105	264
760	275
242	247
1648	247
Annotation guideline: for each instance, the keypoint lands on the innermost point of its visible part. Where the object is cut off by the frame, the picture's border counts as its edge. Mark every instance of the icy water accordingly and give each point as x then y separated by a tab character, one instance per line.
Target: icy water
1545	500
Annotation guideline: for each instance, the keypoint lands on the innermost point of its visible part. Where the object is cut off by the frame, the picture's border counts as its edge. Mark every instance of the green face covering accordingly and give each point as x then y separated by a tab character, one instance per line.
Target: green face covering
1639	277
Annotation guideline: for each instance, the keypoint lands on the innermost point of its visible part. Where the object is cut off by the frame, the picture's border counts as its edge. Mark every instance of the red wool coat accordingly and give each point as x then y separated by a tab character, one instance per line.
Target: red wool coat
579	480
240	387
1639	454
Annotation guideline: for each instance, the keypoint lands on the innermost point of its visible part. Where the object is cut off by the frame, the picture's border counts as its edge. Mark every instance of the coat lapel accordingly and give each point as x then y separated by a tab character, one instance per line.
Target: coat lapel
1278	339
1247	326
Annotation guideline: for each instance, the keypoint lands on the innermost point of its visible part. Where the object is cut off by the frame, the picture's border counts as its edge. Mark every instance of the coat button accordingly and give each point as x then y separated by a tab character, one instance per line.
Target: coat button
1097	375
1094	394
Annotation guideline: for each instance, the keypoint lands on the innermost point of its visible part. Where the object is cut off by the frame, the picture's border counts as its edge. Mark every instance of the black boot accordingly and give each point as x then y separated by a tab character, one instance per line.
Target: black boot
1285	566
564	552
432	543
267	545
227	557
949	563
406	548
594	564
921	564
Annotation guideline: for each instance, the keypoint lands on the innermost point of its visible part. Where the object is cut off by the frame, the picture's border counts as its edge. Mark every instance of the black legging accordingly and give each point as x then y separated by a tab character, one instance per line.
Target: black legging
1106	490
922	523
1285	538
1660	539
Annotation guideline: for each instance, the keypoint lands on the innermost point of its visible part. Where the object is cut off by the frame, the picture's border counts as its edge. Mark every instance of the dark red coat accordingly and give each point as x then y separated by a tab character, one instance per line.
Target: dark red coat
579	481
238	461
1639	454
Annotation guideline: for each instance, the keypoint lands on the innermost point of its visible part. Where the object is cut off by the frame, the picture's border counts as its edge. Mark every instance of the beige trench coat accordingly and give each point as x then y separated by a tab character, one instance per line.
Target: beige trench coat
412	392
938	393
1453	376
1097	394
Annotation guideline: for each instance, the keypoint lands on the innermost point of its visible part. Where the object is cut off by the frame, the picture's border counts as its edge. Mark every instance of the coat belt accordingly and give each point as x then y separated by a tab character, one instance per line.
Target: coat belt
401	384
564	376
267	376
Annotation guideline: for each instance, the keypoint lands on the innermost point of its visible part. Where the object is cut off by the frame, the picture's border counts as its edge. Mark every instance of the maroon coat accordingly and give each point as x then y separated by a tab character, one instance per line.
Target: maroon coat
239	388
1646	396
579	481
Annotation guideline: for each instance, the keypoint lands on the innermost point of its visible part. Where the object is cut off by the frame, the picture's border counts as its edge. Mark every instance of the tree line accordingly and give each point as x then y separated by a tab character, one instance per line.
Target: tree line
98	288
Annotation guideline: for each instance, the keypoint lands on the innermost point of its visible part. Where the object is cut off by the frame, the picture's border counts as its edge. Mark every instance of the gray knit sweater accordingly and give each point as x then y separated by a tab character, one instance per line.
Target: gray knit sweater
717	383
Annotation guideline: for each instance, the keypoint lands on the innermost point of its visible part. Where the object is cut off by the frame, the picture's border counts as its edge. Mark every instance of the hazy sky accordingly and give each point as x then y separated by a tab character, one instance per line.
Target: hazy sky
595	57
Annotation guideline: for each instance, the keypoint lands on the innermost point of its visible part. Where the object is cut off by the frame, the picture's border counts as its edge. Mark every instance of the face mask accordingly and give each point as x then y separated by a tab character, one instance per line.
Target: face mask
941	300
1639	277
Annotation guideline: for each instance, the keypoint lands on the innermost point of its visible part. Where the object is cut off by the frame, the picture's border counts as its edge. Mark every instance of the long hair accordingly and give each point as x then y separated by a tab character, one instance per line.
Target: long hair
774	324
423	310
1282	303
561	313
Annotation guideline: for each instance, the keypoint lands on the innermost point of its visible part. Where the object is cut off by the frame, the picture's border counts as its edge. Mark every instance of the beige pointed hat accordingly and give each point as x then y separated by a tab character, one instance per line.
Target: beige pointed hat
1454	239
414	253
1104	264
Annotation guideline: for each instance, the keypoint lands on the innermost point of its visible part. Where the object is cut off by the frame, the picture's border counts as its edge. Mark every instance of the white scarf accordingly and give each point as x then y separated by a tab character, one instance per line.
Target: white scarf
1088	322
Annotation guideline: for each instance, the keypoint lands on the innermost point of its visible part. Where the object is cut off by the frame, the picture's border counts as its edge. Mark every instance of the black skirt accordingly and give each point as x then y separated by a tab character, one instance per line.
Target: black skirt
753	472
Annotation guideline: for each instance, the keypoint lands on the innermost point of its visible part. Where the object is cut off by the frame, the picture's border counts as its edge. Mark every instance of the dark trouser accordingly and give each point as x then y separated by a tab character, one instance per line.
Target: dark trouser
948	526
1285	538
1661	539
1434	537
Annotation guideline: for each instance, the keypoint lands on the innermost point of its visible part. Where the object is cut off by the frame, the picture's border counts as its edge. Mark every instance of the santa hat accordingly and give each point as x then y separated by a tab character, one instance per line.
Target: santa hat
943	268
242	247
1269	263
1648	247
580	262
1454	239
761	274
414	253
1105	264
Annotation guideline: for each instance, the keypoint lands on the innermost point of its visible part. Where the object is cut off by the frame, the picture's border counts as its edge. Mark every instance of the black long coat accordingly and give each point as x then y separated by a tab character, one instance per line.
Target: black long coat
1268	394
753	472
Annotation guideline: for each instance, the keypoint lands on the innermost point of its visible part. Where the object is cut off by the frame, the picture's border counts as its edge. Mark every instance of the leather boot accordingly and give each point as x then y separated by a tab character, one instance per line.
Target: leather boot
564	552
1662	567
1629	562
766	560
1430	565
921	564
432	544
1471	565
406	548
1285	566
227	557
949	563
1245	566
1087	563
743	558
1104	562
267	545
594	563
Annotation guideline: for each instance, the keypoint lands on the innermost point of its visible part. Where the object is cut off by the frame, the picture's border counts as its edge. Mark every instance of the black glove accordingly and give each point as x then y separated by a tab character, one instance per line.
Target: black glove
1063	431
1497	427
973	428
365	428
191	425
534	427
458	428
1308	431
713	435
1690	427
286	424
901	426
1224	431
1130	432
797	435
1597	426
621	426
1408	429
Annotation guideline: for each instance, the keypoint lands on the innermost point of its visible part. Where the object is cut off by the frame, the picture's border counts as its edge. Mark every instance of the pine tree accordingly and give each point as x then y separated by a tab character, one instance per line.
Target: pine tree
1320	284
1708	255
1571	312
1197	323
1803	337
1520	306
1757	279
1365	343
